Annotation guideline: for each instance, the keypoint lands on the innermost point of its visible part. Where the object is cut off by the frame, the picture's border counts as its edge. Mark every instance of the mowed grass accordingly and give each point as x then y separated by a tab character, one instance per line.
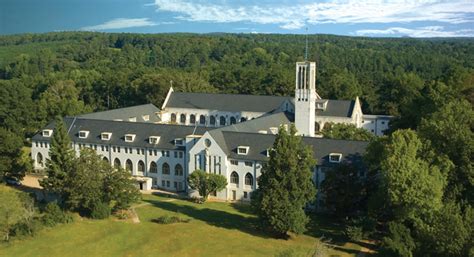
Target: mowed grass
215	229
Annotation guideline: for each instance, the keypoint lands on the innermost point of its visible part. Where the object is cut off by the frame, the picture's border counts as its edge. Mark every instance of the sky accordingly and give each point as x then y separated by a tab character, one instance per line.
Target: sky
374	18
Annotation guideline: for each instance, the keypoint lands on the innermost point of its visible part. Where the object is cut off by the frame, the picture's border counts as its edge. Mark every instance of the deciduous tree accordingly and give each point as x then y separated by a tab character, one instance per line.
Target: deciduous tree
206	183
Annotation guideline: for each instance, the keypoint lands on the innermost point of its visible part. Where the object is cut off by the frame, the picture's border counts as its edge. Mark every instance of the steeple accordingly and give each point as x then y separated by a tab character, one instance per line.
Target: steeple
305	97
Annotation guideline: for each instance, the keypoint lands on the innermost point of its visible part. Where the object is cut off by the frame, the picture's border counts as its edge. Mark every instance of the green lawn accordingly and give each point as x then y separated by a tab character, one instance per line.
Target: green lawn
215	229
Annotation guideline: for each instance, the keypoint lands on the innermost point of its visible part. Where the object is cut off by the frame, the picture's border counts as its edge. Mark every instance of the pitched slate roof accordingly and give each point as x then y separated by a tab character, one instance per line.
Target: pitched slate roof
258	144
126	113
226	102
143	131
337	108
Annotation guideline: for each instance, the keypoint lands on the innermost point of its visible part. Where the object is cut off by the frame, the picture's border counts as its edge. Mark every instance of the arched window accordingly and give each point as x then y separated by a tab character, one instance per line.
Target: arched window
153	167
248	179
141	166
182	118
222	121
39	159
234	178
173	118
129	165
232	120
212	121
165	168
202	120
105	159
178	170
243	119
117	163
192	119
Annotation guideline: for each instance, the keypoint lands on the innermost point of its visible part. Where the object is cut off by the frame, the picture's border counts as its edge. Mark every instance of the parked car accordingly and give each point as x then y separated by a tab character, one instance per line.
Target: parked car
13	182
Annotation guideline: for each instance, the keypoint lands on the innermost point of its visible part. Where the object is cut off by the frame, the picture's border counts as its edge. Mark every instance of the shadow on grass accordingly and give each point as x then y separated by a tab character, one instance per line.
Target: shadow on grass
214	217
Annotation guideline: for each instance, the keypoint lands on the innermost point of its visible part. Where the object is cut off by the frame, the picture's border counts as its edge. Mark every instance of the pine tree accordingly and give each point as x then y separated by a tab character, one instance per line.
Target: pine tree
61	160
285	185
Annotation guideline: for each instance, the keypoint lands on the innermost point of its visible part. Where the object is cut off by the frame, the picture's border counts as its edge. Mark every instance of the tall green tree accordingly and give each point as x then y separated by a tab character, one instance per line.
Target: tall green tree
12	163
206	183
411	185
61	160
285	185
95	183
344	191
15	207
450	132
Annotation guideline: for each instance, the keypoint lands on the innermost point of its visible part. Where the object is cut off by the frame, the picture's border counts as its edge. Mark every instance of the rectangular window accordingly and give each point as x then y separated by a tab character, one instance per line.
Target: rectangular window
155	152
150	152
234	162
245	195
83	134
118	149
181	154
102	148
143	151
163	183
138	151
175	184
175	154
106	148
167	183
242	150
249	164
126	150
335	157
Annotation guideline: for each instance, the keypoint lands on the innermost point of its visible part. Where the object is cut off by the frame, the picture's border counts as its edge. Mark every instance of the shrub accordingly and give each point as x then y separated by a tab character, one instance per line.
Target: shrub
100	210
166	219
26	228
53	215
122	214
354	233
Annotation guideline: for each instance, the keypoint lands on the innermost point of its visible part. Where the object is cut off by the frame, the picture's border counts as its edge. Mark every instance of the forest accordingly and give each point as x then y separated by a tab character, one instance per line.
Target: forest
428	84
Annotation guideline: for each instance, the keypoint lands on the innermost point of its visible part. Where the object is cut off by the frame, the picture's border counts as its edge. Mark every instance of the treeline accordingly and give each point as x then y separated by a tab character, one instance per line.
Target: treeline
74	72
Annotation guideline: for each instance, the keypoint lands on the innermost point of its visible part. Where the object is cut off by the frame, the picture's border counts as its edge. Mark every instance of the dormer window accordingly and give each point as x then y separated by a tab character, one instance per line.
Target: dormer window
105	135
263	132
243	150
321	105
335	157
179	142
129	137
269	150
146	117
154	140
274	130
132	119
83	134
47	132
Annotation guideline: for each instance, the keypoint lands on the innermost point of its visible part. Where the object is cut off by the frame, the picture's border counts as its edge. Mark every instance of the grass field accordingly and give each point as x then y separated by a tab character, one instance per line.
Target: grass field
215	229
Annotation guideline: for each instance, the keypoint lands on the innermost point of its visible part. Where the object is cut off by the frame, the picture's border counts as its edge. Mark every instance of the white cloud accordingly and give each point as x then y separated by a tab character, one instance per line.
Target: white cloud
429	31
296	16
122	23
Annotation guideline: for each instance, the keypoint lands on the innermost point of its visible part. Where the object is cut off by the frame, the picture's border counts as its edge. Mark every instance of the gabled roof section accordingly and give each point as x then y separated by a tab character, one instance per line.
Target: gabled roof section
226	102
253	126
140	112
167	133
351	151
337	108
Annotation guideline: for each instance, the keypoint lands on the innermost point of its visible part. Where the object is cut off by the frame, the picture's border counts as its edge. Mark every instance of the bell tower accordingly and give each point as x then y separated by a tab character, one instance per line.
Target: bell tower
305	98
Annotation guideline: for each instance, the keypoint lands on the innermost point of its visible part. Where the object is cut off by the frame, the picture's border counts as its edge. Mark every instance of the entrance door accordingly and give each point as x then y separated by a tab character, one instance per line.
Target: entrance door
141	185
234	195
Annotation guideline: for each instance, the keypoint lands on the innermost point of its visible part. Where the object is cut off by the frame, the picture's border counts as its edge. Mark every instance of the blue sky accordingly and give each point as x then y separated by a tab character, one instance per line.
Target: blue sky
393	18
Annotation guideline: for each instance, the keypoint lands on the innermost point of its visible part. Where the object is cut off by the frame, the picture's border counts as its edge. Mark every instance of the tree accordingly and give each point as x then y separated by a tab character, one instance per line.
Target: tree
449	131
399	242
206	183
344	191
14	208
347	132
60	99
12	163
285	185
93	183
61	161
411	185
